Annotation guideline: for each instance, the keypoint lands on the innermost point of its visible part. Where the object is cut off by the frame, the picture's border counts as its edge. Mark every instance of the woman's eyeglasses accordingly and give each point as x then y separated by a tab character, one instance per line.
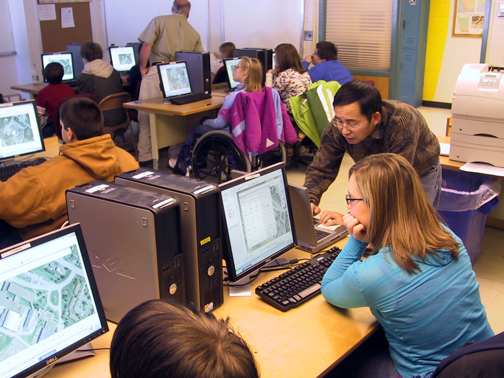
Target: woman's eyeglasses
350	201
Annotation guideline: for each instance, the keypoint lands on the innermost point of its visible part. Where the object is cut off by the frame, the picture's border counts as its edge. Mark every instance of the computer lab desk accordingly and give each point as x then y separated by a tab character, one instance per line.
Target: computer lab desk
306	341
170	124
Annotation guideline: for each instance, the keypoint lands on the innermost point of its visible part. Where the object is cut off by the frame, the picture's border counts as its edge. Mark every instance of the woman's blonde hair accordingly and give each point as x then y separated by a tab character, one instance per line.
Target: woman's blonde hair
402	218
253	81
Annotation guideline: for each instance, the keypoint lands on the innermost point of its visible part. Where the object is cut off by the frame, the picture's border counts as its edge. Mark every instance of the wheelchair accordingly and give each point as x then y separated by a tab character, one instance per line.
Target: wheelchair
215	155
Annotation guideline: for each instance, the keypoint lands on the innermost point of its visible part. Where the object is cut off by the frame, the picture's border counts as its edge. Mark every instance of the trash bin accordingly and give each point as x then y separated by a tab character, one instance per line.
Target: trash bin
466	199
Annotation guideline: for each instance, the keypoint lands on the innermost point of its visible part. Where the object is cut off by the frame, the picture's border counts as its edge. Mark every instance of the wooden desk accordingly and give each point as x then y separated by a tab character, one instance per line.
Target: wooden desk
303	342
170	124
32	89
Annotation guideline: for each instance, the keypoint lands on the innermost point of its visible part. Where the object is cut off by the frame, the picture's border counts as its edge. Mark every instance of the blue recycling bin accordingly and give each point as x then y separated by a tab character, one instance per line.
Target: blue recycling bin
466	199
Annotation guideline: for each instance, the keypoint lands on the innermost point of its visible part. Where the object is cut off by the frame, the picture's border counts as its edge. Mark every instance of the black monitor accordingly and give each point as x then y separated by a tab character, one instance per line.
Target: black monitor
122	58
63	58
174	79
230	65
257	217
49	302
19	131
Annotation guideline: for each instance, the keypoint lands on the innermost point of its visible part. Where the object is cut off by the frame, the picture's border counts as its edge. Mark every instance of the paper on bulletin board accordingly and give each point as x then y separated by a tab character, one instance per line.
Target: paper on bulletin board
47	12
67	18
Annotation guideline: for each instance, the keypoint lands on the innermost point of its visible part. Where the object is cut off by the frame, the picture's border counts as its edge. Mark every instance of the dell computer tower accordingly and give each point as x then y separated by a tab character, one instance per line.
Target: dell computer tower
200	74
74	48
133	241
200	231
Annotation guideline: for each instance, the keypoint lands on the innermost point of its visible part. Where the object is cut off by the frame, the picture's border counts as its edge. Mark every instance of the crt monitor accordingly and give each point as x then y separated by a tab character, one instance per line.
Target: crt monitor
49	302
257	217
122	58
63	58
230	65
19	131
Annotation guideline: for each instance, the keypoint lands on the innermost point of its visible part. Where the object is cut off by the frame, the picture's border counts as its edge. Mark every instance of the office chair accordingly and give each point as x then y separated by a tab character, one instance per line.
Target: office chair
116	101
56	117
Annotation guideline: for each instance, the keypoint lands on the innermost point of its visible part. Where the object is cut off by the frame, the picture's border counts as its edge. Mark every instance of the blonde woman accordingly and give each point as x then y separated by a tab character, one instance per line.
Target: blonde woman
249	74
420	285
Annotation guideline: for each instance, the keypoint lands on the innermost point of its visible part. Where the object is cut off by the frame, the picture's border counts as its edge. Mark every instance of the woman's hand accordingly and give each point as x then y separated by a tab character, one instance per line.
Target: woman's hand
355	228
329	218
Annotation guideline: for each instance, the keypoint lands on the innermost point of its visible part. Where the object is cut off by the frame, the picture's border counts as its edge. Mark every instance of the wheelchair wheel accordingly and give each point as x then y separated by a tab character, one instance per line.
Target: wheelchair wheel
216	155
273	156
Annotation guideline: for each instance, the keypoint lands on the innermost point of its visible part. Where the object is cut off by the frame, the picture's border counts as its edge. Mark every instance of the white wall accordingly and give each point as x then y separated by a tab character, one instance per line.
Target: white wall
495	46
126	19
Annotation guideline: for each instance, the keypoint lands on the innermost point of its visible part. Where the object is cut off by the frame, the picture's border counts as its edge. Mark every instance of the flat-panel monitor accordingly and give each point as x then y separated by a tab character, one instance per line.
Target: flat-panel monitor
49	302
122	58
258	225
174	79
19	131
273	61
63	58
230	65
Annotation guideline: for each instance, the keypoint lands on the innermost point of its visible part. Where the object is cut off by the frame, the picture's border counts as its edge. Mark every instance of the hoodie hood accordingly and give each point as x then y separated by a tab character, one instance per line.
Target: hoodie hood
96	155
98	68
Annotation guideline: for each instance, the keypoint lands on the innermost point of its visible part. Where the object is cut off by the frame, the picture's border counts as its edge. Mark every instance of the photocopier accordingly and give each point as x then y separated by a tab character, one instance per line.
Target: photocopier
478	115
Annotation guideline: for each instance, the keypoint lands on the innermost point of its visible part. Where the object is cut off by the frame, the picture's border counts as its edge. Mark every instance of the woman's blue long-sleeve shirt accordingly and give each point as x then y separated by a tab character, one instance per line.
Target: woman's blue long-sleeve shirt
426	315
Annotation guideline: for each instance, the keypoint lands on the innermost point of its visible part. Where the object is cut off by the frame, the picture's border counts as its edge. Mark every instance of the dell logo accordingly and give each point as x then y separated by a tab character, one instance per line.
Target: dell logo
111	265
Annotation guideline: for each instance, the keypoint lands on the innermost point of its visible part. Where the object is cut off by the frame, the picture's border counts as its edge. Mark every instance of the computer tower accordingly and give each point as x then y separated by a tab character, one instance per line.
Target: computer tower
263	55
200	73
74	48
200	231
133	241
267	57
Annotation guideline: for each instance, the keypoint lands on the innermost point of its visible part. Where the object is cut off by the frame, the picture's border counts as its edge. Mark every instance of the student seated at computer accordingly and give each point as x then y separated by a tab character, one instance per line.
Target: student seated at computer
101	80
226	51
161	339
33	200
290	77
249	74
48	97
419	285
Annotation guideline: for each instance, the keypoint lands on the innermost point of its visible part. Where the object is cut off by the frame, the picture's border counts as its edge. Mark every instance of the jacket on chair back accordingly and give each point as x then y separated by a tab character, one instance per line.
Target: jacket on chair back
258	121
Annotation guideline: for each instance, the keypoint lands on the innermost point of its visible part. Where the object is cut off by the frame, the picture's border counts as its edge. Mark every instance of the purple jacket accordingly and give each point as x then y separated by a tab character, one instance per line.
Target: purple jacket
266	121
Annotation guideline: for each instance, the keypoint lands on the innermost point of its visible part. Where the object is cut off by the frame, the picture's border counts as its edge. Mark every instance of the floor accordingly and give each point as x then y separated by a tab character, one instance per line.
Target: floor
489	267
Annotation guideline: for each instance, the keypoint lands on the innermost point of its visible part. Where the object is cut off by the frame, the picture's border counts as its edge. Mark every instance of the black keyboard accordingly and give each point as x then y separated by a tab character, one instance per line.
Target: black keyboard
297	285
190	98
10	170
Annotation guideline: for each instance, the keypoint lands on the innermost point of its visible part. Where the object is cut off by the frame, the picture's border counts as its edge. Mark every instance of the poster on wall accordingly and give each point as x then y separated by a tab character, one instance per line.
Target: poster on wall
469	18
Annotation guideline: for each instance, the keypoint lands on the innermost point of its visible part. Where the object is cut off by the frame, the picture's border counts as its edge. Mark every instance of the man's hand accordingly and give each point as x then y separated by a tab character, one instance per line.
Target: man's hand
314	209
355	228
329	218
308	58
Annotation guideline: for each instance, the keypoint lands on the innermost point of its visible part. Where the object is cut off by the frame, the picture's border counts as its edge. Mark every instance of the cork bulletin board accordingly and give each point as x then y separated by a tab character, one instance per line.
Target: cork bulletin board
55	38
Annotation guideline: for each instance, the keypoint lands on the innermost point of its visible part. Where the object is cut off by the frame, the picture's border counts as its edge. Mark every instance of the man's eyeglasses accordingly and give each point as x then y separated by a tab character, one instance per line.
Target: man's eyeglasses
347	125
350	201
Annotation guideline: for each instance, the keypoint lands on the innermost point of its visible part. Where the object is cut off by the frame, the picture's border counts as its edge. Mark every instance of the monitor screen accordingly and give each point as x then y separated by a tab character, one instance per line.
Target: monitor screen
122	58
65	59
19	130
174	78
230	65
49	302
257	217
273	61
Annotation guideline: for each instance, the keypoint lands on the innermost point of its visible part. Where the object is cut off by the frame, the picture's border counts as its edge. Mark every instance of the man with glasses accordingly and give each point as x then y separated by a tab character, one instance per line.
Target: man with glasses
365	125
326	65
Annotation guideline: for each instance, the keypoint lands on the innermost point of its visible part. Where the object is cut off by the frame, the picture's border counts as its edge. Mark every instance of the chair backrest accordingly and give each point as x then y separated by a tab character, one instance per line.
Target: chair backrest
114	101
56	116
480	359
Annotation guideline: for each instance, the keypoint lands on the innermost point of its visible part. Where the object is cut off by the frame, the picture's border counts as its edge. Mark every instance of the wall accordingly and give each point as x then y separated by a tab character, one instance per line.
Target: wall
446	55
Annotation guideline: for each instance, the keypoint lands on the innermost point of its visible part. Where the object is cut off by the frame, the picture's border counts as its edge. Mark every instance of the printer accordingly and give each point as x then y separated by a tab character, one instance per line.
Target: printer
478	115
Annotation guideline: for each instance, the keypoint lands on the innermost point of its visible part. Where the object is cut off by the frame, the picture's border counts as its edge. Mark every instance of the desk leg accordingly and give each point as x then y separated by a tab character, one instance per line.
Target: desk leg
167	130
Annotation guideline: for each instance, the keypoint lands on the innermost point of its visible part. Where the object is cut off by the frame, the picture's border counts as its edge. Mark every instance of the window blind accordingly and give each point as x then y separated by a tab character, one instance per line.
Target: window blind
6	41
362	31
